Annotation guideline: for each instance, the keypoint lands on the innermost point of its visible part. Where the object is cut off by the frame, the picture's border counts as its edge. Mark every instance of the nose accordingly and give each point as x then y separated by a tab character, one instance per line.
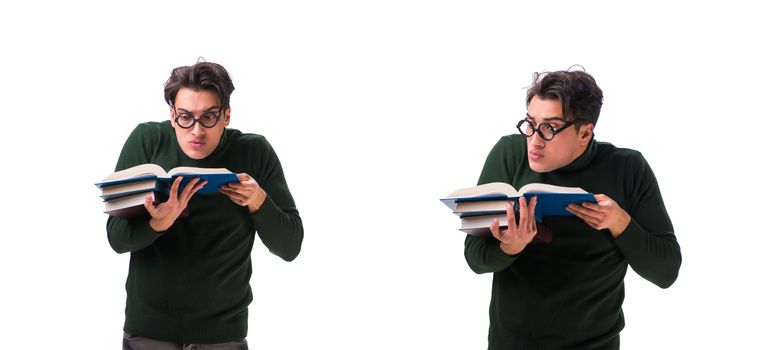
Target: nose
197	129
536	140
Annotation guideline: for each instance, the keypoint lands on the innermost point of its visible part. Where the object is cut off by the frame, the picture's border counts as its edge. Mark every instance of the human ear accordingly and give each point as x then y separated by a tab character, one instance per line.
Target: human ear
586	133
226	116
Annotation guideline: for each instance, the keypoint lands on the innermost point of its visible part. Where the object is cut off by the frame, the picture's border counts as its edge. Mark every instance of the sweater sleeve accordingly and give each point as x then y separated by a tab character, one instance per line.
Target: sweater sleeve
277	222
127	235
649	242
484	254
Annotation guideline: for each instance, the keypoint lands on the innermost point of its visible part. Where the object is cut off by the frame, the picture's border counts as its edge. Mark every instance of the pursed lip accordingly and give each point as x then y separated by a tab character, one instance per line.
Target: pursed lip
196	143
535	155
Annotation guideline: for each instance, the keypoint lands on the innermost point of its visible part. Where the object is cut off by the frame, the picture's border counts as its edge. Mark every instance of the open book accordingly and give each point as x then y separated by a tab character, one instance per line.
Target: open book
128	206
148	177
491	198
481	226
132	205
129	188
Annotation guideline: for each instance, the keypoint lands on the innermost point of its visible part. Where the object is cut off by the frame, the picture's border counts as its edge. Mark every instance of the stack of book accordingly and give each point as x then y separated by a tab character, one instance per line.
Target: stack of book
478	206
125	191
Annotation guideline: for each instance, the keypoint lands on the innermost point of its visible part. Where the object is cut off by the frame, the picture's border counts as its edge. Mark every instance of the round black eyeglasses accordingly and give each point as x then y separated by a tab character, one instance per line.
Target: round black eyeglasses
187	120
545	130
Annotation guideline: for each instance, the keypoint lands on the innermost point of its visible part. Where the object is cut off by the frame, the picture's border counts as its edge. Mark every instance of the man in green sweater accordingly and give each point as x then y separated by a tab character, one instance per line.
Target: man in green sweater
567	294
190	266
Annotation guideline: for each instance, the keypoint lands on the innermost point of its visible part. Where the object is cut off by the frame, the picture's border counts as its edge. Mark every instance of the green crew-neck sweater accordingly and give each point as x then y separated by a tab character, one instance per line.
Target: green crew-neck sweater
190	284
567	294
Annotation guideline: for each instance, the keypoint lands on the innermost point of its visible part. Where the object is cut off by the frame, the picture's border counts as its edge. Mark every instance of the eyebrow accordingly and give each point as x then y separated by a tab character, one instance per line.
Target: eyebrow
549	119
206	110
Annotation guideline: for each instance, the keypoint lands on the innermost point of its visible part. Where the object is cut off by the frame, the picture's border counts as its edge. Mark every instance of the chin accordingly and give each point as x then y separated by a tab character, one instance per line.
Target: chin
539	168
196	154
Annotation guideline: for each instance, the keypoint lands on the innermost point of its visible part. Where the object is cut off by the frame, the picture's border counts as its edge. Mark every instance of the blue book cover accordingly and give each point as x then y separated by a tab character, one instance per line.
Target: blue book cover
144	173
491	199
212	186
554	204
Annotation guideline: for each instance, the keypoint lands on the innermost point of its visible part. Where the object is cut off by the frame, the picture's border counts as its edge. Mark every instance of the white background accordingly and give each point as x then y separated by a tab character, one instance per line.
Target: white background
377	109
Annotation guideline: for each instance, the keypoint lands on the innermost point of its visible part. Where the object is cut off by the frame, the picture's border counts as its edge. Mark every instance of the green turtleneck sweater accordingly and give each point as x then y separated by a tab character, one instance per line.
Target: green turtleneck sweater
190	284
567	294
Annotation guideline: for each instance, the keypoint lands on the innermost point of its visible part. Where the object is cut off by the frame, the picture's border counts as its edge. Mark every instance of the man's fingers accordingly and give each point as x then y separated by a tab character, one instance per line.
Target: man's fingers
524	213
189	186
192	187
237	195
594	206
590	217
234	194
581	211
243	177
150	205
593	223
187	191
575	209
199	187
532	215
511	221
495	229
175	189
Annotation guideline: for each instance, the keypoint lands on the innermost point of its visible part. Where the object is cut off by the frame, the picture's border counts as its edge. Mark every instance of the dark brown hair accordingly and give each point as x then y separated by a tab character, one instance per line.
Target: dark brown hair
206	76
576	90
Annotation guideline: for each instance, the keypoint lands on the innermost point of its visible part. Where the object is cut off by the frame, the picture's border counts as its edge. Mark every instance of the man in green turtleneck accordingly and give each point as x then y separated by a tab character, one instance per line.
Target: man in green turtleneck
188	279
567	294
